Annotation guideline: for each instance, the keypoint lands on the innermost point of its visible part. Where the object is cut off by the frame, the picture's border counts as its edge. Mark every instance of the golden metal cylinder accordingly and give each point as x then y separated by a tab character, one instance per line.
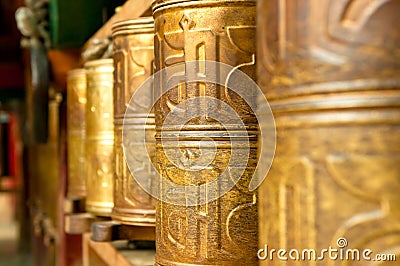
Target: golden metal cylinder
133	42
76	132
99	148
222	231
330	72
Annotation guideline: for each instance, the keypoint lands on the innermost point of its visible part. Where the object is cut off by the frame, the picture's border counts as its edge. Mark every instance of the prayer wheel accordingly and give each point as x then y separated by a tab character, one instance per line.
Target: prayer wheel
133	42
221	231
330	71
76	126
99	146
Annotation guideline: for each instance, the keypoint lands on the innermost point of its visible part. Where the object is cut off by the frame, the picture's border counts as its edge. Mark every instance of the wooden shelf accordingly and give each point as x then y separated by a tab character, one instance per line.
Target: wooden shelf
114	253
62	61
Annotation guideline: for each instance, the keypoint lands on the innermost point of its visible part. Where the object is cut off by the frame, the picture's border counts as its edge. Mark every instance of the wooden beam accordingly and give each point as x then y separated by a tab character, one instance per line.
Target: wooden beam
130	10
62	61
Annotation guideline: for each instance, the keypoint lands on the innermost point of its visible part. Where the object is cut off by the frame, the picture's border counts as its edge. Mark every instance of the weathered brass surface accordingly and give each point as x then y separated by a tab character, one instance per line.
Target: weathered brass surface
76	126
133	62
223	231
99	154
330	70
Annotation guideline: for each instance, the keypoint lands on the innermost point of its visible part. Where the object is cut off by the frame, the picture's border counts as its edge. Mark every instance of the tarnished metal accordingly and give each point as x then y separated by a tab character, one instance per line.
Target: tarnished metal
99	154
223	231
76	126
133	62
330	70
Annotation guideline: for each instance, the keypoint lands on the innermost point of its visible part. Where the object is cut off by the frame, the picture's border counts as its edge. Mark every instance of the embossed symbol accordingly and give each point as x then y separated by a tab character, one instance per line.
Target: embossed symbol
208	185
186	22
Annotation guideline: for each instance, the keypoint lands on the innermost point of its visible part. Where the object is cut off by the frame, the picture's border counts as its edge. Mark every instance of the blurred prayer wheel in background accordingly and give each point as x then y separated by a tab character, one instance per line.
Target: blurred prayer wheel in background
330	70
76	105
47	172
221	231
99	148
133	42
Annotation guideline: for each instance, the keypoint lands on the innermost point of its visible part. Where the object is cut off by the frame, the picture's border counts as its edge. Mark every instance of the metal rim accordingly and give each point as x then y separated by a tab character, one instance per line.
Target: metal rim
159	5
132	26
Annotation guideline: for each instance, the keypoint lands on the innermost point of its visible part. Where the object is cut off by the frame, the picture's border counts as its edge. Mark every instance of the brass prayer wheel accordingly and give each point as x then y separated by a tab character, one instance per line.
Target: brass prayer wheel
133	42
222	231
330	71
76	106
99	147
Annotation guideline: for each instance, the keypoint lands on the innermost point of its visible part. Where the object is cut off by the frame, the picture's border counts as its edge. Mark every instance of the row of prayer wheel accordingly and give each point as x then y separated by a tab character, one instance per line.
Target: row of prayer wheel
331	73
97	99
